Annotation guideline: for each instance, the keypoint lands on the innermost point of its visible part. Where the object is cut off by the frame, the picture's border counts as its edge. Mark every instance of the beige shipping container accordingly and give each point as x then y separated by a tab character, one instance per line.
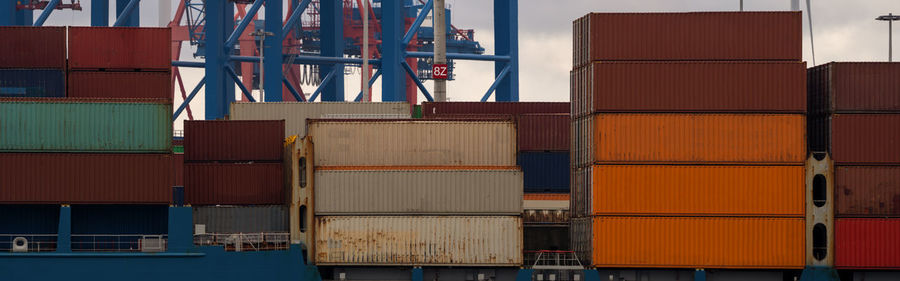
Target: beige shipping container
295	114
420	192
419	240
414	143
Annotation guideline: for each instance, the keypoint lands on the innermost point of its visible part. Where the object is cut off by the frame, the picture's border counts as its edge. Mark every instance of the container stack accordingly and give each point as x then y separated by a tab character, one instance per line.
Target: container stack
688	140
413	192
854	118
33	63
295	114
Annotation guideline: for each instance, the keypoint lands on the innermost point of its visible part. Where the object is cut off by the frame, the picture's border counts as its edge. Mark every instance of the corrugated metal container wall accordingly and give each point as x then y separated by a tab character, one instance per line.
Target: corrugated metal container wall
581	93
430	109
120	48
109	227
56	178
72	126
33	47
419	240
583	142
242	219
865	138
233	184
418	192
866	243
234	140
868	191
28	219
582	194
721	138
545	171
854	87
581	239
295	114
107	84
32	83
691	36
413	143
698	242
699	190
543	132
178	168
722	86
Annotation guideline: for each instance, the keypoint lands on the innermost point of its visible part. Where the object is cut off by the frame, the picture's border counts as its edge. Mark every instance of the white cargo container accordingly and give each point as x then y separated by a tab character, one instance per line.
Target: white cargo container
295	114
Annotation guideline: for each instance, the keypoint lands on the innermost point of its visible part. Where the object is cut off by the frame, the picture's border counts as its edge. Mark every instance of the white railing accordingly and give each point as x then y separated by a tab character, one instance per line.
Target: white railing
237	242
118	243
553	260
31	243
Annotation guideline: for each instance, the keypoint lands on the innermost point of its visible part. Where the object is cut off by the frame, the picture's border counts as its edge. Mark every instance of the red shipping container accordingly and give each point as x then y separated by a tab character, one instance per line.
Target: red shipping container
431	109
178	168
234	183
107	84
688	36
232	140
867	191
70	178
124	48
543	132
33	47
866	243
847	87
861	139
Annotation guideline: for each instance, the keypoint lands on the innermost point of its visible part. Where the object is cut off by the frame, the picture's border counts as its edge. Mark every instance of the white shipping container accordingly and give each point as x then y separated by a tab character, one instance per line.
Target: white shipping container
413	143
295	114
419	240
368	192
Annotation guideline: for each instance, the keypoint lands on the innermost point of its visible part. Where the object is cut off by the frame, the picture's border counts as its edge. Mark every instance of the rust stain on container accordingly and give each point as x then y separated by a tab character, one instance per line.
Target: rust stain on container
234	140
847	87
866	243
867	191
432	109
234	183
33	47
865	139
120	48
543	132
107	84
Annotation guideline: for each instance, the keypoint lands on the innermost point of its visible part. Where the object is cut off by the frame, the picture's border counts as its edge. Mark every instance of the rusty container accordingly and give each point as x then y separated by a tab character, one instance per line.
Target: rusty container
867	191
854	87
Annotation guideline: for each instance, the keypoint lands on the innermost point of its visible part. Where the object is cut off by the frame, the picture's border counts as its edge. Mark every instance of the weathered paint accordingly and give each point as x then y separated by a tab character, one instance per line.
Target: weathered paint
295	114
242	219
867	191
847	87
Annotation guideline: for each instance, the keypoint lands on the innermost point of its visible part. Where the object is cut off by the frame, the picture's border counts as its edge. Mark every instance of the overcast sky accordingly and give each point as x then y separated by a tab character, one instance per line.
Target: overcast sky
844	31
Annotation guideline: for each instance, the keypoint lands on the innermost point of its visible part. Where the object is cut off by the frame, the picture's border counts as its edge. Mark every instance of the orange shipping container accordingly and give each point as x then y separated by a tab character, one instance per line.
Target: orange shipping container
706	138
692	242
698	190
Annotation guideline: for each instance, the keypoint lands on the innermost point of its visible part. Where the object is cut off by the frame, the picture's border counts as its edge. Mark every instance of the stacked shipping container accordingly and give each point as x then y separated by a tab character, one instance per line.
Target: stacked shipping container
33	63
699	133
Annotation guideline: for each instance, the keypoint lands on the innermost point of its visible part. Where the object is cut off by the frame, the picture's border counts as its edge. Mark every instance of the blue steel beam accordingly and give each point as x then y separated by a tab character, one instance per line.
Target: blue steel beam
189	98
295	15
7	12
236	33
272	51
24	17
188	63
215	103
237	80
494	85
292	89
371	82
457	56
64	232
419	84
128	13
416	24
46	13
506	40
100	13
332	45
302	59
330	76
393	80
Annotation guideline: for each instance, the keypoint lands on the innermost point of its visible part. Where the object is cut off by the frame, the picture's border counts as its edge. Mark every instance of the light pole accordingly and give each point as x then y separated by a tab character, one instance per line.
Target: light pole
262	72
440	48
890	18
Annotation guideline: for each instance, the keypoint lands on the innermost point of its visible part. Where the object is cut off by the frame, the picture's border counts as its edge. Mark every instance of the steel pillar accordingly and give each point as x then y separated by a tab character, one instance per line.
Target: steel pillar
331	14
46	12
506	38
181	228
699	275
100	13
7	12
393	76
64	233
819	274
272	61
24	17
417	274
216	103
134	17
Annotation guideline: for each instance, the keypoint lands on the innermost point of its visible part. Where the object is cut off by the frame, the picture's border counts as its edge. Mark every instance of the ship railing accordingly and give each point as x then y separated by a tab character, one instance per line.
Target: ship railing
238	242
119	242
28	242
553	260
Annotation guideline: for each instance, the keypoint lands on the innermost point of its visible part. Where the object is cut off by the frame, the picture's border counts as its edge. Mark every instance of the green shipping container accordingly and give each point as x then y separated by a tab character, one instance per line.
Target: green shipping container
67	126
178	149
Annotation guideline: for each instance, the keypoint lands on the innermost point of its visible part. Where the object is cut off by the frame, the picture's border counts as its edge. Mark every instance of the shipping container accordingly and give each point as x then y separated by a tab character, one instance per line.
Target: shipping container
543	132
580	88
720	86
31	83
867	243
108	84
242	219
120	48
698	242
708	138
861	139
33	47
413	143
234	140
582	147
80	126
546	201
419	240
581	239
116	227
545	171
178	169
718	36
433	109
234	183
64	178
867	191
699	190
848	87
547	217
418	192
295	114
581	192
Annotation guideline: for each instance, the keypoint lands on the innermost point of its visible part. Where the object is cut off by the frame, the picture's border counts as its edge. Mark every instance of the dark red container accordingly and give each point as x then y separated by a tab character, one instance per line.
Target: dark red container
120	48
178	169
867	191
70	178
108	84
764	87
860	139
33	47
688	36
866	243
848	87
543	132
234	183
431	109
234	140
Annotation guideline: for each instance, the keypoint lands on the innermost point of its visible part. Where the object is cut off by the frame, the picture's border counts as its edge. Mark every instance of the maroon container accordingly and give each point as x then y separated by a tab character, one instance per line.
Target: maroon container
70	178
861	139
764	87
688	36
233	183
543	132
867	191
431	109
848	87
234	140
866	243
178	168
33	47
107	84
126	48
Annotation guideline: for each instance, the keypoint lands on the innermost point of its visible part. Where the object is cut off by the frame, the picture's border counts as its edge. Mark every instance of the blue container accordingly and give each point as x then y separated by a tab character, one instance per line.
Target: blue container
178	195
116	227
36	223
545	171
33	83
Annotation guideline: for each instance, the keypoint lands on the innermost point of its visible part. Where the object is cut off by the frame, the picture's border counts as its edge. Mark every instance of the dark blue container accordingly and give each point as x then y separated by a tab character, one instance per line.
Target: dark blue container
116	227
33	83
36	223
178	195
545	171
